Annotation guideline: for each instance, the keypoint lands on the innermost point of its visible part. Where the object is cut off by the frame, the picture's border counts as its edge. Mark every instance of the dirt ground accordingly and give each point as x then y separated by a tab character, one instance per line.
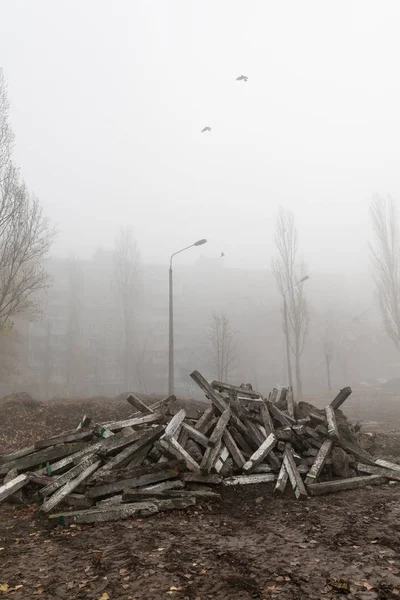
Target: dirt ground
251	544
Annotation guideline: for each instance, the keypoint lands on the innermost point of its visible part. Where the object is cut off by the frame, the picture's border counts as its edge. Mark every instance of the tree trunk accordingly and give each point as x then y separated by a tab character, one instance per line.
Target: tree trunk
298	373
328	371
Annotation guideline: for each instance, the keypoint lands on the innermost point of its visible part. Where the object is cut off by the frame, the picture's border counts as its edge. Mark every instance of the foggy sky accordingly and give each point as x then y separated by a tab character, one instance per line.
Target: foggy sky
108	99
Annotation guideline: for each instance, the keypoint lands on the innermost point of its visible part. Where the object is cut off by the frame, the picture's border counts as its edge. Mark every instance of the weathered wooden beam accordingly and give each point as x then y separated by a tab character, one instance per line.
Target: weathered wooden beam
233	448
361	454
253	434
71	474
41	457
283	418
333	430
136	422
261	453
205	418
173	448
226	387
100	515
321	429
139	405
84	423
381	471
263	468
172	484
340	398
273	460
379	462
290	402
294	476
282	480
64	439
222	457
12	486
319	418
195	435
139	457
211	453
175	423
266	419
319	462
69	487
210	478
113	445
329	487
78	501
6	458
250	479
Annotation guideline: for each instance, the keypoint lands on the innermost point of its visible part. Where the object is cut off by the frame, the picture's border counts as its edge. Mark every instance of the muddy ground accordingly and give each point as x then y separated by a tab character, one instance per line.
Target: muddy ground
250	544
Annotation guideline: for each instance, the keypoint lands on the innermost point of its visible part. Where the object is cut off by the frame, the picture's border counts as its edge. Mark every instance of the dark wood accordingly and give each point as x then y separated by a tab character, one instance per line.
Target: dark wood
226	387
71	474
173	448
329	487
210	478
233	448
253	479
139	405
283	418
340	398
41	457
294	476
144	480
333	430
195	435
64	439
69	487
135	422
101	515
290	402
266	419
12	486
382	472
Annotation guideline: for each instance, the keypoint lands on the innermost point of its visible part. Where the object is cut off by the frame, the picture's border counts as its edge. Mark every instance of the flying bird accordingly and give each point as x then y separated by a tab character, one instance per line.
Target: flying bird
242	78
206	129
222	254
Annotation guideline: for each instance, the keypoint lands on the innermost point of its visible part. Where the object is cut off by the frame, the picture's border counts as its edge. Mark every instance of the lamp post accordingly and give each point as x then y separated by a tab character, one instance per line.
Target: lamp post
285	317
171	318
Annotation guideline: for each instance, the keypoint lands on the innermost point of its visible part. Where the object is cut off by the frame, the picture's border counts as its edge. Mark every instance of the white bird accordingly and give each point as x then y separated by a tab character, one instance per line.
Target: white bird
206	129
242	78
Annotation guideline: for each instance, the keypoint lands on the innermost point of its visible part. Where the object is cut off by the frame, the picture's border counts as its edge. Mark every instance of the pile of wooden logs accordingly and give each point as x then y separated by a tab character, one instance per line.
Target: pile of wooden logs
153	462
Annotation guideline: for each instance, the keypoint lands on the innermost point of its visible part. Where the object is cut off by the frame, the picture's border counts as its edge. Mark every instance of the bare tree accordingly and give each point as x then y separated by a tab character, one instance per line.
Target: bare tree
385	252
74	325
223	340
328	346
289	272
127	264
25	234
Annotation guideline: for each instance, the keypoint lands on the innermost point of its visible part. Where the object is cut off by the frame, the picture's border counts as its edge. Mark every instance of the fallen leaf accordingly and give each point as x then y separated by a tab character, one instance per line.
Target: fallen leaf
367	585
271	588
395	591
1	549
105	596
160	549
122	571
4	587
373	541
14	589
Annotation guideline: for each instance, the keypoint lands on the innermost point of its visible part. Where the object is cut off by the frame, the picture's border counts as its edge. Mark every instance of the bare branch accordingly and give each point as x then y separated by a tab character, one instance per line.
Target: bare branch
223	340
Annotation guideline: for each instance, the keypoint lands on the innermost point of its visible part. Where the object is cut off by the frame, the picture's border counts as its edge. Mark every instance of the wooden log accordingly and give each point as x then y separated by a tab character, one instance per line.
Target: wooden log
84	423
221	459
261	453
284	433
290	402
175	423
240	441
41	457
12	486
273	460
283	418
211	453
266	419
249	479
329	487
205	418
311	433
136	422
139	457
233	448
101	515
172	447
253	434
217	400
71	474
263	468
78	501
210	478
382	472
195	435
109	502
69	487
6	458
321	429
41	480
361	454
121	442
294	476
318	418
319	462
124	457
174	484
226	387
333	430
64	439
340	398
379	462
139	405
137	495
282	480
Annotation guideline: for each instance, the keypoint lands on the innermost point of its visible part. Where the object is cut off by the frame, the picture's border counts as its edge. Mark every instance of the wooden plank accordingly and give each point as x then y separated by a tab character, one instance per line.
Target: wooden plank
261	453
134	482
240	441
253	435
340	398
387	465
139	405
211	454
319	462
69	487
126	455
195	435
294	476
250	479
290	402
361	454
218	401
135	495
321	429
101	515
263	468
172	447
221	458
210	478
12	486
283	418
63	479
282	480
41	457
329	487
78	501
233	448
205	418
319	418
139	457
113	445
266	419
226	387
333	430
64	439
175	423
382	472
273	460
136	422
174	484
6	458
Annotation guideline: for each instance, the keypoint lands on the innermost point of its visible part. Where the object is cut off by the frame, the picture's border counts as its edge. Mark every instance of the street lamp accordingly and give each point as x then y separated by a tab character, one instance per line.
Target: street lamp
171	318
288	359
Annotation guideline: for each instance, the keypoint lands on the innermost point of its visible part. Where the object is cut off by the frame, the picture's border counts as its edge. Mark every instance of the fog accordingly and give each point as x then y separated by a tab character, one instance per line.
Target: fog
108	100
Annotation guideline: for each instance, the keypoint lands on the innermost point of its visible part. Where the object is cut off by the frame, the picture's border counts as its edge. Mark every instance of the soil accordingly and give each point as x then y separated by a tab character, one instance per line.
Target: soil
249	545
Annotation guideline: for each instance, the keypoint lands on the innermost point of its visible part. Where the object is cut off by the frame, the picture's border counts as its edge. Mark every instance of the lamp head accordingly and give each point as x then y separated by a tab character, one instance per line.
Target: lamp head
200	242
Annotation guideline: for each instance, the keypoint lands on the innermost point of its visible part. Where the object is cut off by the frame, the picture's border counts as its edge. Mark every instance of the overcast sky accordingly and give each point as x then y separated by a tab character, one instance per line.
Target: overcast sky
108	99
